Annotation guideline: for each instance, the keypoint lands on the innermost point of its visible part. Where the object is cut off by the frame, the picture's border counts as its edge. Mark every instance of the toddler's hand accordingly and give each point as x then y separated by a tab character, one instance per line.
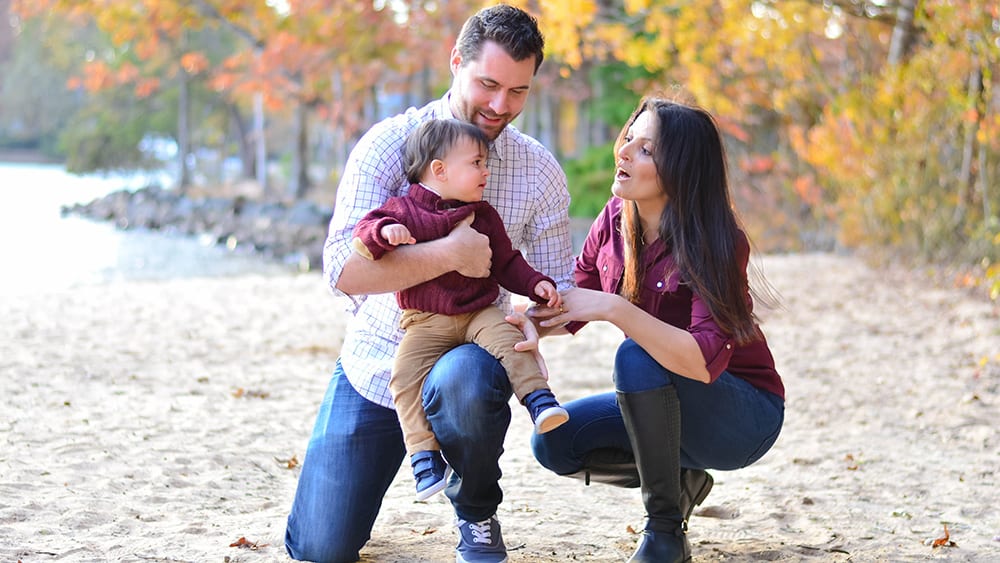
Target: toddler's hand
548	291
397	234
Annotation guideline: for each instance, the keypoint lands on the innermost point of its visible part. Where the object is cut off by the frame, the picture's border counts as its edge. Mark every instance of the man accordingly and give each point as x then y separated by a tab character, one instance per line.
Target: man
356	447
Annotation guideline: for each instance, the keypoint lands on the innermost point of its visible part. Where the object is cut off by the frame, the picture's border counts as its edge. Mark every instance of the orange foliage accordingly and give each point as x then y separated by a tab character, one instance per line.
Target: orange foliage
807	189
757	164
821	119
147	87
194	63
97	76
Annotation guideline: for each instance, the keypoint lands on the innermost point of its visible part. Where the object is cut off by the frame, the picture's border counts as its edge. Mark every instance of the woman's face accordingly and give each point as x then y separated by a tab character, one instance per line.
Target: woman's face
635	178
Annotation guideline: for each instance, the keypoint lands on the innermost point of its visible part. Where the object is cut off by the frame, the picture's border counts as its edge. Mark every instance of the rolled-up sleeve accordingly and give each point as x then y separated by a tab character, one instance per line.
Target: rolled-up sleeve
716	347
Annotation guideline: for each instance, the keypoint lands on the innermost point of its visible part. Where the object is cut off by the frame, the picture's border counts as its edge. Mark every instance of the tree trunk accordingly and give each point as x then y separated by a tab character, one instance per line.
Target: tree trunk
903	33
984	184
601	132
339	145
299	182
371	111
548	122
261	143
183	131
531	114
966	182
244	140
553	105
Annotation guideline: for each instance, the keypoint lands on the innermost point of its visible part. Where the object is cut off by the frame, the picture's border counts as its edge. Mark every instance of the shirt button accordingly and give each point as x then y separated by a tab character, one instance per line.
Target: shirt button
729	346
659	284
605	269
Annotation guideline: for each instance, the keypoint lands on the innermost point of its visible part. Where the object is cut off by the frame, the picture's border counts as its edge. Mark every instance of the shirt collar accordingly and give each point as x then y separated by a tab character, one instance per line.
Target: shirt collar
428	198
423	195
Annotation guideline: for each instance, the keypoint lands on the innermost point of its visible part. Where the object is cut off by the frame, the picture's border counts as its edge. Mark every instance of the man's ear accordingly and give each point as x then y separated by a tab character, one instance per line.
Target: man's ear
456	60
439	169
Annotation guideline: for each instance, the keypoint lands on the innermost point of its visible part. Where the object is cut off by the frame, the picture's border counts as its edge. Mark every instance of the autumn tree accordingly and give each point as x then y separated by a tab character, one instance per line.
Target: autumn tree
148	47
34	108
910	157
850	123
290	61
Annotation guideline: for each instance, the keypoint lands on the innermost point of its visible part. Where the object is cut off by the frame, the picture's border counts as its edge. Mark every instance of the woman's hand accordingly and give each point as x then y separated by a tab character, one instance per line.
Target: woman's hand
579	304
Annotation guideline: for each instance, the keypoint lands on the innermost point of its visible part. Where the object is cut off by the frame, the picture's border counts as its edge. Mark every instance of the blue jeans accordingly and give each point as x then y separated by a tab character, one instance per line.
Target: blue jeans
726	425
356	449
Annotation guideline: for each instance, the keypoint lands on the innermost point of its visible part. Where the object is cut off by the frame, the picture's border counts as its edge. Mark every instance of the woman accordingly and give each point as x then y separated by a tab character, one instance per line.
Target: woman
695	385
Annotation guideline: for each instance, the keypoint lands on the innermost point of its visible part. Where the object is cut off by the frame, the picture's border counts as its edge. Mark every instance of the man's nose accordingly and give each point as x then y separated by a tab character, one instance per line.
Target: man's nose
499	103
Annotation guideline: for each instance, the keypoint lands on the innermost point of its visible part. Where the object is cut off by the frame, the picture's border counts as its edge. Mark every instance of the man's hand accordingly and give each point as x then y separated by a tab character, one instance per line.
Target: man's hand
530	342
470	250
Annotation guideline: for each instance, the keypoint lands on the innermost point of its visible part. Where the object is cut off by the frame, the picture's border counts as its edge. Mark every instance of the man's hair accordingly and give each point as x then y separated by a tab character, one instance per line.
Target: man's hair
512	28
433	140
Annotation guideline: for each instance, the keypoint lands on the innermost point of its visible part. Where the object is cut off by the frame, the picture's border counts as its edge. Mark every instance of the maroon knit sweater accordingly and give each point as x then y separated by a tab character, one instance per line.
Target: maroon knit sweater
429	217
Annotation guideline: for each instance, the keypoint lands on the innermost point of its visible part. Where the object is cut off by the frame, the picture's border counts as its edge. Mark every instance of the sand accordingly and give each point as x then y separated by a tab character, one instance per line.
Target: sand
163	421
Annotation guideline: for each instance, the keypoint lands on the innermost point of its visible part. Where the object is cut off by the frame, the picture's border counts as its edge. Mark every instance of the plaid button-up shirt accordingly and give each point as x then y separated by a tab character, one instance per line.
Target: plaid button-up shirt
526	186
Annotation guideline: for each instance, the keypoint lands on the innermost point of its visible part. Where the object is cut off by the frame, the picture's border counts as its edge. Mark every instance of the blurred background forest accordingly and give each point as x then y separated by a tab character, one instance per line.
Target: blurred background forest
851	124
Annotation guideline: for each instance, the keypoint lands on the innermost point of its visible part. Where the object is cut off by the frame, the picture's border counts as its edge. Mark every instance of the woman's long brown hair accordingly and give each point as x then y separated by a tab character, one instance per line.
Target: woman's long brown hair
698	224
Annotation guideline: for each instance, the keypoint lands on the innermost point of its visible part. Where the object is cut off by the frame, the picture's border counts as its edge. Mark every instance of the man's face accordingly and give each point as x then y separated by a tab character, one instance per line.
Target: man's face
490	92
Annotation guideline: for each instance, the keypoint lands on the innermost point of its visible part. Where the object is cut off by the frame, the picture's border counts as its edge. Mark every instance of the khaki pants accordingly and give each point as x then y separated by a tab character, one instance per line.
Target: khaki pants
428	336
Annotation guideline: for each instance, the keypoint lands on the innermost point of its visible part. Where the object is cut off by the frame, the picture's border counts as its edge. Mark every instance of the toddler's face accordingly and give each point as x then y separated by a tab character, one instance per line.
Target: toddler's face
466	172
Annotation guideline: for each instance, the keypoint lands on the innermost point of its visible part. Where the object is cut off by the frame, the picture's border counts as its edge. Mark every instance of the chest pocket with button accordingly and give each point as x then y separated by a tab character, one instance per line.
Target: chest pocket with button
667	299
610	270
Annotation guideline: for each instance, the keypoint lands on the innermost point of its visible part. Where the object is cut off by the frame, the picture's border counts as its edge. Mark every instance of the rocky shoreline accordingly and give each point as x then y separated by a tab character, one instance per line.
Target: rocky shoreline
292	233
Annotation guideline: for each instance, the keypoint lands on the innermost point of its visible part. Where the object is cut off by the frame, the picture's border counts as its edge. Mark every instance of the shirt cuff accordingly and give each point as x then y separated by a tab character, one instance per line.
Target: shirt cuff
717	351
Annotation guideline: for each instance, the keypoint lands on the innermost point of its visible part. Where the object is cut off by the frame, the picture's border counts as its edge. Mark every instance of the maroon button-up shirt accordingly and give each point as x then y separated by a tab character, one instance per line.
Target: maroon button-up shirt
601	265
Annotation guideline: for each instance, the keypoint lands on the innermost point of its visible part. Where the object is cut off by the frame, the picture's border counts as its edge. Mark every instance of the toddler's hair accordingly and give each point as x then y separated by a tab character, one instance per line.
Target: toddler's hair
432	140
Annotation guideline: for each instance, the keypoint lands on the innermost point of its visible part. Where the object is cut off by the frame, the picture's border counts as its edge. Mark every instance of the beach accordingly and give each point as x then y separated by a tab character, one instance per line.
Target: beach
165	420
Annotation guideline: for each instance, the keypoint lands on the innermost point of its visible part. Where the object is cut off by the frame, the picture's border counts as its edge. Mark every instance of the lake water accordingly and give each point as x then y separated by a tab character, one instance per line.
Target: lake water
42	250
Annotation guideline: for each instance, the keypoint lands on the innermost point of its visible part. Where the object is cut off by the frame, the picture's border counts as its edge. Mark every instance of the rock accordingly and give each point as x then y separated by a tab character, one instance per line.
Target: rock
291	233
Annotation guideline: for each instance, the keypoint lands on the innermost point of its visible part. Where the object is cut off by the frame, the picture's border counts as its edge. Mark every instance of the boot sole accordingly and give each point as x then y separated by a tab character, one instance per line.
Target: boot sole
550	420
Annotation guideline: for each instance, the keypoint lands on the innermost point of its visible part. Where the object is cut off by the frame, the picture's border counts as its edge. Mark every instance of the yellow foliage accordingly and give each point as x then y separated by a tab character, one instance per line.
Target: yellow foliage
633	7
879	148
564	22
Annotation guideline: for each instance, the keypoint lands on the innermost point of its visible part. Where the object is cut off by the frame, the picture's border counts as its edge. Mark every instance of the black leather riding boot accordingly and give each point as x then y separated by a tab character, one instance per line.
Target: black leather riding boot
695	486
653	421
610	466
617	468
